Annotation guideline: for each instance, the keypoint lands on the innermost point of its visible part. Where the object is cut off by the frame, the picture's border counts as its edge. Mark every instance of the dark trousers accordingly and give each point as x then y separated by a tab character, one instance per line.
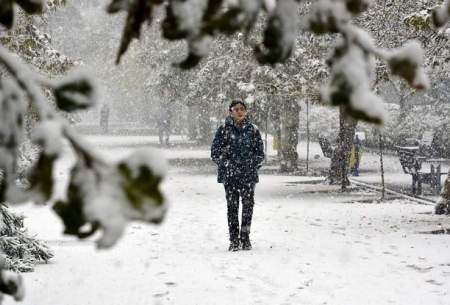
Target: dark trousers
233	192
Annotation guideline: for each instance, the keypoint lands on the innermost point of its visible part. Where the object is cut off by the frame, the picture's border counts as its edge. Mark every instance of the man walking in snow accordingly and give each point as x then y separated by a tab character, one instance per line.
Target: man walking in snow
163	121
356	156
238	151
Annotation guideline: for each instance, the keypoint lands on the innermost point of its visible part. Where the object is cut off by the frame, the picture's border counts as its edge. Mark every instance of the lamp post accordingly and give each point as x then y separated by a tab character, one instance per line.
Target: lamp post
307	137
383	190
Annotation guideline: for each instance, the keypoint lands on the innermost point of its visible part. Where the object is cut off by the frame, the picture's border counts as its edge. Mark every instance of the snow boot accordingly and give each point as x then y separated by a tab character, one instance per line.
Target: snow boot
234	246
245	243
442	208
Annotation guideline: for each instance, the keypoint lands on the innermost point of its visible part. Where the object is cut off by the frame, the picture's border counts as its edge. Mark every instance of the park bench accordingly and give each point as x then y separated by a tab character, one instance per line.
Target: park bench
411	162
425	145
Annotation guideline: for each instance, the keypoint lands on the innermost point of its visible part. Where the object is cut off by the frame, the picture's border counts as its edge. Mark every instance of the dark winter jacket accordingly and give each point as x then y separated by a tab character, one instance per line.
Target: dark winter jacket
238	151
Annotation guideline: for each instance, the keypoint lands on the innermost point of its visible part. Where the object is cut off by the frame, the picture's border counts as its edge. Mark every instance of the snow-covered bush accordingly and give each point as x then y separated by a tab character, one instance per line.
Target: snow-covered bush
21	252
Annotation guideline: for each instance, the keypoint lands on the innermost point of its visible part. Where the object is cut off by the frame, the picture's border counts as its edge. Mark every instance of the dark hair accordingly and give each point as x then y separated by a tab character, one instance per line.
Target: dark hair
235	102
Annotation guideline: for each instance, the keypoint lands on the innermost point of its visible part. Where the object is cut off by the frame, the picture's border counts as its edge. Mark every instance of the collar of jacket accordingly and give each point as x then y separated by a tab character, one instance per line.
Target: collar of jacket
230	122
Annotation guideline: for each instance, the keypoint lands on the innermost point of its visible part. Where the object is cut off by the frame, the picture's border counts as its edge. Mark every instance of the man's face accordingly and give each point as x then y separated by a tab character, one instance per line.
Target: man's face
238	112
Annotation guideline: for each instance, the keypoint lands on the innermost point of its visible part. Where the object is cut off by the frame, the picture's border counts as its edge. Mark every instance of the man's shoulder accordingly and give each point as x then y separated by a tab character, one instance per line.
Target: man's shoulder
254	127
222	127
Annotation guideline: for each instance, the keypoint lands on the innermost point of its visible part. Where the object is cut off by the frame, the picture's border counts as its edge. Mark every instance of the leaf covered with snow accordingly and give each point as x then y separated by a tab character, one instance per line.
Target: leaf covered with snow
12	284
139	11
107	198
40	181
41	178
240	16
71	211
183	18
327	16
441	14
32	6
357	6
350	85
280	34
407	62
198	21
75	92
7	9
198	48
7	13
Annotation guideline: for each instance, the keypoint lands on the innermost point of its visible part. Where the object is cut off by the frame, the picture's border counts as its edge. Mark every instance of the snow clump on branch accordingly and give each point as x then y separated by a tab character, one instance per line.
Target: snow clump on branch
407	62
441	14
350	63
108	197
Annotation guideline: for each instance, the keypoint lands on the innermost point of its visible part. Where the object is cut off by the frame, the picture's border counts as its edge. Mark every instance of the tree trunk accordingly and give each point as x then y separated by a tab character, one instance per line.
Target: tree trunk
192	121
204	126
104	118
402	110
341	154
443	204
289	135
274	115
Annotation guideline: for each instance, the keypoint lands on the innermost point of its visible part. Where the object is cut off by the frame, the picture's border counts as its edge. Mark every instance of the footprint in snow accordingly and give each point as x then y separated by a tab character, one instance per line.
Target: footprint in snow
161	294
420	269
433	282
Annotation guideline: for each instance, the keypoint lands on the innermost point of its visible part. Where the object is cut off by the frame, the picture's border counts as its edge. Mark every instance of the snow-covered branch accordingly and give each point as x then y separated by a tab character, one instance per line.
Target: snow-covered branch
351	62
441	15
101	195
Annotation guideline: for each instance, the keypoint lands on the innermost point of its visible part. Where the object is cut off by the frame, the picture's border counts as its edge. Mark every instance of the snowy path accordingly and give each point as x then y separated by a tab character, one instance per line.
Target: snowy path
309	248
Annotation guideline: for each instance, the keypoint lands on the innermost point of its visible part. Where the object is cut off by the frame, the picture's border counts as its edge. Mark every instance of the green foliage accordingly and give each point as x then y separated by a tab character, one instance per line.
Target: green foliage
419	21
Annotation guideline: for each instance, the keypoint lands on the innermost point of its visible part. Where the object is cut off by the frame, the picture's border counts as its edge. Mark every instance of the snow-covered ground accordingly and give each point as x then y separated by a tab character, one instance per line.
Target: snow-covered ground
312	245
